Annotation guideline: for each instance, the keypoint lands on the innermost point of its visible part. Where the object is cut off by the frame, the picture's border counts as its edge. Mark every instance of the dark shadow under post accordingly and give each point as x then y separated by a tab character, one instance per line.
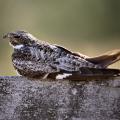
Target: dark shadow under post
23	99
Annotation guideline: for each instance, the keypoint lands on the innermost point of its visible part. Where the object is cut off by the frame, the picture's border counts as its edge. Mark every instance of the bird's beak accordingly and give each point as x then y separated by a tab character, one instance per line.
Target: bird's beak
5	36
8	35
11	35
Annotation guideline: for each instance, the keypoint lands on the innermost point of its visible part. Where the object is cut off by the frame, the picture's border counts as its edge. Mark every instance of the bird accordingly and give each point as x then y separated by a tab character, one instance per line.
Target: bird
35	58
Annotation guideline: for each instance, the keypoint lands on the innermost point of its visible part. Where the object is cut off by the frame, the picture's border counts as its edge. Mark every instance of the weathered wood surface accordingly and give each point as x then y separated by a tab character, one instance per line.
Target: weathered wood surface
24	99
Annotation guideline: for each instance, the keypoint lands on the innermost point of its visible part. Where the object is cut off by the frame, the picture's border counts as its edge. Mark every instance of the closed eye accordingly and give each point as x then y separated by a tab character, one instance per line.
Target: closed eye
16	36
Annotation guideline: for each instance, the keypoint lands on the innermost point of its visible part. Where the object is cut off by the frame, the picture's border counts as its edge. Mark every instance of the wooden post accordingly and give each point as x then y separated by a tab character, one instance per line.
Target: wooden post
27	99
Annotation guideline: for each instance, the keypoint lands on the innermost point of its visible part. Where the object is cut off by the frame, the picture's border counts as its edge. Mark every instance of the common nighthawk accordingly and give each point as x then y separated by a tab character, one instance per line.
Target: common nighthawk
35	58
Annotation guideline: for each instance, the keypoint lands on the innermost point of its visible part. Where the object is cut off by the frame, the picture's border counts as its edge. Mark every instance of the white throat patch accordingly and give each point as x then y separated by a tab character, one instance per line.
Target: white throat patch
18	46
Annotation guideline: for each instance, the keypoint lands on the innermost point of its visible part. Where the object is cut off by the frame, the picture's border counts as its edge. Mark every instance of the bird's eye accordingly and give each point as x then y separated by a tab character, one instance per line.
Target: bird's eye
16	36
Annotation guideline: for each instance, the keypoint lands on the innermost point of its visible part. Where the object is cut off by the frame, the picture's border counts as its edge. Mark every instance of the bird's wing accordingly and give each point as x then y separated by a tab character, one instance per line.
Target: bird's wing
63	49
69	61
73	53
50	59
72	63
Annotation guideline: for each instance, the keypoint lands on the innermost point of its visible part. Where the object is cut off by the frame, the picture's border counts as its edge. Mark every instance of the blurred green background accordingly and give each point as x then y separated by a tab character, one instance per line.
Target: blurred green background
91	27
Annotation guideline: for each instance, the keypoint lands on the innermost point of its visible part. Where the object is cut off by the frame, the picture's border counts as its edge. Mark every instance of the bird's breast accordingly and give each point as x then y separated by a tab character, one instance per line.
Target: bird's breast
23	53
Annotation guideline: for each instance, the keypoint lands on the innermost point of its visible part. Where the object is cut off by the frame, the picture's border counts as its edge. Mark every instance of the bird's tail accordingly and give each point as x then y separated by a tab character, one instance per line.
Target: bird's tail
85	73
106	59
99	72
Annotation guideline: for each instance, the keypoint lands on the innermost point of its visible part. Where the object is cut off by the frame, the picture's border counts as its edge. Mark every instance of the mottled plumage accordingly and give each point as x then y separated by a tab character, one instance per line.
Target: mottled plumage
35	58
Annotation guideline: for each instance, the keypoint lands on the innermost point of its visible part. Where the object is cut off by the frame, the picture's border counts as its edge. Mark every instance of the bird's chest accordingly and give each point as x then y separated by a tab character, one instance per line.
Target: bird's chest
34	54
22	54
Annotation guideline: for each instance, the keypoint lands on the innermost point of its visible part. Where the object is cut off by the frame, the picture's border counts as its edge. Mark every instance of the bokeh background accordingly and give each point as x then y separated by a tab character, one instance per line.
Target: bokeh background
91	27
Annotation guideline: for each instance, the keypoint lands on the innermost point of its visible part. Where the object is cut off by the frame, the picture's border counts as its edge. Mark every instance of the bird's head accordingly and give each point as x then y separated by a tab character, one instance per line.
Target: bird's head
20	38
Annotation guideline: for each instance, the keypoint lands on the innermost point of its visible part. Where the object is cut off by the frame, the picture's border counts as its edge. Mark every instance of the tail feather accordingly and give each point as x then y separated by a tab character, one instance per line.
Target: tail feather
100	72
106	59
85	73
